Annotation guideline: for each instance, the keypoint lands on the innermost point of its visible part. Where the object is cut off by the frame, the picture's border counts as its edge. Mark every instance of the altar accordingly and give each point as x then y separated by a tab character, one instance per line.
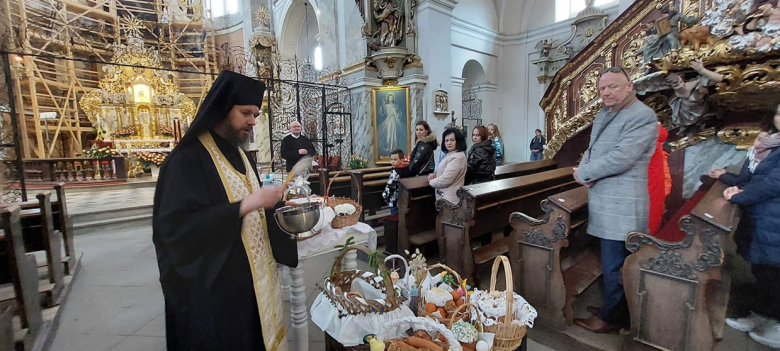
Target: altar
138	109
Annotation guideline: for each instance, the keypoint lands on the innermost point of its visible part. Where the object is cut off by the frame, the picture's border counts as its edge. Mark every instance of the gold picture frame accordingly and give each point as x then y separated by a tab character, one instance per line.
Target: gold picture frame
388	112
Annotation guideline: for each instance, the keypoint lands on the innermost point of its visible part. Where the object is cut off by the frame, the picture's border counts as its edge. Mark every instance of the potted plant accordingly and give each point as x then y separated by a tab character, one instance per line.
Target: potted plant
124	133
166	132
356	162
151	160
102	154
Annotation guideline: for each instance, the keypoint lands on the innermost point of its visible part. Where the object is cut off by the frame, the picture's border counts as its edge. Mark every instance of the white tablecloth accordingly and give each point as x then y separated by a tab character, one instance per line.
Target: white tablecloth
329	236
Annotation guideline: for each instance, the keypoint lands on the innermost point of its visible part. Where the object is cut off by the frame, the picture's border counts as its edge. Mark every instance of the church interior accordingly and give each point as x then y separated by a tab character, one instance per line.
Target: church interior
96	95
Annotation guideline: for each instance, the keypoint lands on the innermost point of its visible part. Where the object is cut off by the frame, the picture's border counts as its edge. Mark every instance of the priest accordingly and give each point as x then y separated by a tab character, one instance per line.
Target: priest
295	146
217	257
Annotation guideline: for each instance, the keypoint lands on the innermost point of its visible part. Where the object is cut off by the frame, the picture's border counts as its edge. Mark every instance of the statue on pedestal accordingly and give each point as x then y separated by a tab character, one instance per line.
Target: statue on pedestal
389	18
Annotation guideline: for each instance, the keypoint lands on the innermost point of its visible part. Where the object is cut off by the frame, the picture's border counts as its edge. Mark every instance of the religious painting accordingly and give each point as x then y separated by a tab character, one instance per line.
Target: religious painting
392	122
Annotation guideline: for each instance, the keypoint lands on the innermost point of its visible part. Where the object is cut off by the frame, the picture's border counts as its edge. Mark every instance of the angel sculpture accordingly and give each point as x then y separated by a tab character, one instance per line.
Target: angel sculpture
690	102
544	46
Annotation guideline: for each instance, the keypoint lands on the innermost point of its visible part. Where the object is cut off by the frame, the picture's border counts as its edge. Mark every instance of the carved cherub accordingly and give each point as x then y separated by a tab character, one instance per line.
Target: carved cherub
690	102
545	46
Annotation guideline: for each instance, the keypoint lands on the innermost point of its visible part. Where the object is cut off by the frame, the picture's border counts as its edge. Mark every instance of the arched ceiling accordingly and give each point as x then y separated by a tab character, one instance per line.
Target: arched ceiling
481	13
518	16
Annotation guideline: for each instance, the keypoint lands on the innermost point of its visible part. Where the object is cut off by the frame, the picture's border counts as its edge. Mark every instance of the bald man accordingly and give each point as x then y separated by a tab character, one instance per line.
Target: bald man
295	145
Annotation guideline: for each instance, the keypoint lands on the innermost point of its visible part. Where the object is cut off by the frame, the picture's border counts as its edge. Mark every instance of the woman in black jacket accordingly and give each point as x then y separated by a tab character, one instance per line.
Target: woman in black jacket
421	159
482	157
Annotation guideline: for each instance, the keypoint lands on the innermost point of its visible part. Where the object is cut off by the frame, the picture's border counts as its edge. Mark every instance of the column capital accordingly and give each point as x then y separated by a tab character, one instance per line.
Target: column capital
458	82
443	6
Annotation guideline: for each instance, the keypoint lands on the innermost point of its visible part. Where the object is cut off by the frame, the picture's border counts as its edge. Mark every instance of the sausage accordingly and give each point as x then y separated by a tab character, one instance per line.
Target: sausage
423	344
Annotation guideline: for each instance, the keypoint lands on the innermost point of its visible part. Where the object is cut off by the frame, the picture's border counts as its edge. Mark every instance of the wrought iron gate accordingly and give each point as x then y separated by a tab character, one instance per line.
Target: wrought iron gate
296	92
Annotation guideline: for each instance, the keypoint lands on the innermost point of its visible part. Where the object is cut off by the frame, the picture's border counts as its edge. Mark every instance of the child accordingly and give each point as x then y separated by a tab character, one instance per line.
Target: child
400	170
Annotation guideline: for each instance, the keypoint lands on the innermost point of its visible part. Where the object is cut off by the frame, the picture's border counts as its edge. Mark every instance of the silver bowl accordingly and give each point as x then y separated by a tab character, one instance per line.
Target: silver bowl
296	220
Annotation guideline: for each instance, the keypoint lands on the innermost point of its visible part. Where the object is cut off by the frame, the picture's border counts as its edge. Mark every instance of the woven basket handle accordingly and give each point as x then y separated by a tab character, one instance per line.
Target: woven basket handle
448	269
510	296
390	291
476	311
330	183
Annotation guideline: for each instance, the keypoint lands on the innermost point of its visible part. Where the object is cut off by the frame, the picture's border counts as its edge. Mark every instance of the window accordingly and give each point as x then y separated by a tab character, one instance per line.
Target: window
565	9
221	7
318	58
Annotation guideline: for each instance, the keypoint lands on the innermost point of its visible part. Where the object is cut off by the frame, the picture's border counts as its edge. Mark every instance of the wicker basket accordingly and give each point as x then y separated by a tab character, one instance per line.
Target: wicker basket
415	324
480	327
508	336
340	282
404	284
421	300
343	221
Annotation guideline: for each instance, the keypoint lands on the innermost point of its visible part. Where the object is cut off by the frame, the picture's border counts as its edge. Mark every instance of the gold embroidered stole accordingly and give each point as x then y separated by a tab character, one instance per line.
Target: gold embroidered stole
258	247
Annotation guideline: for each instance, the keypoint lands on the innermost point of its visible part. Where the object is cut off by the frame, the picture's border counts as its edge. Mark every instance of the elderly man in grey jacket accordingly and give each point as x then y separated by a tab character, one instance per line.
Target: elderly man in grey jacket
614	167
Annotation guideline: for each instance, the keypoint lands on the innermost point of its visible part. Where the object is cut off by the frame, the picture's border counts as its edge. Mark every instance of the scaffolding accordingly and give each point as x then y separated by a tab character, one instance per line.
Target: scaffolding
63	46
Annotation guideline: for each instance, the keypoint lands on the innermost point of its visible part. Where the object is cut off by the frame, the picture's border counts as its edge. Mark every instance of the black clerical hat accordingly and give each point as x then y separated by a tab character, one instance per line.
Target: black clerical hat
229	89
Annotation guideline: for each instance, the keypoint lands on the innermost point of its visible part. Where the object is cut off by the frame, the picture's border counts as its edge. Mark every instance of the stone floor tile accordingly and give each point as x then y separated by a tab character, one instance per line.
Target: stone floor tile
85	342
141	343
127	322
154	328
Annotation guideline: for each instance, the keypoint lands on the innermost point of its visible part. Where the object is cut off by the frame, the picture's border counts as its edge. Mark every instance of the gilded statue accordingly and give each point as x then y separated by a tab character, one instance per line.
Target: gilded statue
389	18
663	34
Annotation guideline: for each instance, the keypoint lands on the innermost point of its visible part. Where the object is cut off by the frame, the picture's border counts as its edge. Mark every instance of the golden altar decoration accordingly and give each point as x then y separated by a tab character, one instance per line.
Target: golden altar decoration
138	105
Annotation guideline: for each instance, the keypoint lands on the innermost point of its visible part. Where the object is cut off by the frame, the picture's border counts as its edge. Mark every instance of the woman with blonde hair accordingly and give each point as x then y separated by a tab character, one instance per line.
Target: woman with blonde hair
495	136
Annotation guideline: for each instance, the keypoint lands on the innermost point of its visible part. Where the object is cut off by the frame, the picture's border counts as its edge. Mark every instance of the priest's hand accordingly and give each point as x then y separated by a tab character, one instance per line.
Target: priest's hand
266	197
302	151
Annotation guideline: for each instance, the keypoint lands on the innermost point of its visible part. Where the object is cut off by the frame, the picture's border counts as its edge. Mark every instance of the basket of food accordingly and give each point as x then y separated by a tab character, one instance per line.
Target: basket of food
347	210
410	334
471	335
402	285
441	294
356	303
505	314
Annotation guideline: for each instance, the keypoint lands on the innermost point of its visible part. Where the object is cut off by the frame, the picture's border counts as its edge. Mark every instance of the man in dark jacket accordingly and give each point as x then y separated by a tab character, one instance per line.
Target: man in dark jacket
537	146
481	163
295	146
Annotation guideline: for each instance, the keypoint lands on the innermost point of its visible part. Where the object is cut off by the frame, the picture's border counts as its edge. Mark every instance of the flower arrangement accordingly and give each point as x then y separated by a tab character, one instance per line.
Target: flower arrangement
148	159
357	162
166	132
124	133
99	153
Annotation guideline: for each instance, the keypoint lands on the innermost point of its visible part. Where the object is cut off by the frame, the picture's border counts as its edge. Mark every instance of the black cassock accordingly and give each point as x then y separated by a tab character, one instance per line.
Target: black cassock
206	280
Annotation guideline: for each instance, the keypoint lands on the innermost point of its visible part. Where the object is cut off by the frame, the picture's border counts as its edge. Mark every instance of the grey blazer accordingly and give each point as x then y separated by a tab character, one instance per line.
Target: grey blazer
621	146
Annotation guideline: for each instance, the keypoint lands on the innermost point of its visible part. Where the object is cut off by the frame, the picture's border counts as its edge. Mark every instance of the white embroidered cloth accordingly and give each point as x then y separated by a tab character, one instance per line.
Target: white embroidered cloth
329	236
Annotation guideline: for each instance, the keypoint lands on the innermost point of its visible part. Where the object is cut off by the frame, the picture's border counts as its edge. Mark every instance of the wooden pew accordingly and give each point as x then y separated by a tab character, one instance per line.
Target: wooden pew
556	258
416	206
342	185
39	235
314	183
485	208
416	214
7	329
678	291
63	223
20	270
370	183
524	168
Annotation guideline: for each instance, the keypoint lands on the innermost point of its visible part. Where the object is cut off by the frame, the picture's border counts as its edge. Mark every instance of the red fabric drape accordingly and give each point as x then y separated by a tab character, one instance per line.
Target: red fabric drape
656	182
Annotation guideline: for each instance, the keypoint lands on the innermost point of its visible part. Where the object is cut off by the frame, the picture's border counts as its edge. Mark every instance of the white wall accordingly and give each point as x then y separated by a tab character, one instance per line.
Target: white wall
481	13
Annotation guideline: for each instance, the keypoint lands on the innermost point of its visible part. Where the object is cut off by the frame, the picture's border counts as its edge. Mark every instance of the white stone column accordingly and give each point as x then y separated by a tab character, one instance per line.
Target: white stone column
434	20
456	97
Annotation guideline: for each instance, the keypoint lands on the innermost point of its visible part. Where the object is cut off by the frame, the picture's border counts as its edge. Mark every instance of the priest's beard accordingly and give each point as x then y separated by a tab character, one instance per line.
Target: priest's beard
233	135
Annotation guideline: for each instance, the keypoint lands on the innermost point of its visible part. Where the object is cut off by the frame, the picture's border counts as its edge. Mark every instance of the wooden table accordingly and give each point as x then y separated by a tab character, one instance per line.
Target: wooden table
293	282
